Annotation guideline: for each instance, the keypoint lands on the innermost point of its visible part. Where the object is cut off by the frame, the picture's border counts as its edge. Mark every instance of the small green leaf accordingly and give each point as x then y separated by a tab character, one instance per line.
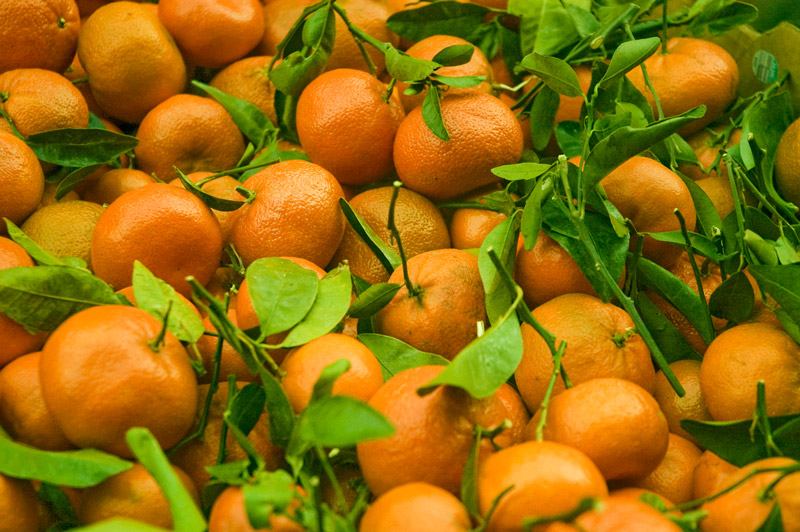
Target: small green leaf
628	56
341	421
469	479
324	386
460	82
733	300
554	72
76	469
120	525
432	113
395	355
58	502
42	297
75	178
774	521
243	412
781	282
385	254
213	202
542	117
671	342
457	54
282	292
373	299
521	171
78	148
440	18
568	136
281	415
405	68
503	240
271	494
33	249
250	119
531	223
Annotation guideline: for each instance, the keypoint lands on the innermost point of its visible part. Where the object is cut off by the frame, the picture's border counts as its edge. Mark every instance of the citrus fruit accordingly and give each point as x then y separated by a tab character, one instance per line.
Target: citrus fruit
673	478
248	80
417	507
691	406
787	163
114	183
18	504
21	180
229	515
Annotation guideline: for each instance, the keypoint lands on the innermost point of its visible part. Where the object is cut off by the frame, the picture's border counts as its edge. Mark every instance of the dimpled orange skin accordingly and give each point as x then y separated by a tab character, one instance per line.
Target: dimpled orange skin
248	79
21	179
100	378
132	62
18	504
648	192
304	365
433	433
190	132
229	515
420	224
615	422
787	163
16	340
221	187
623	515
114	183
213	33
296	213
484	133
22	410
741	356
231	362
469	227
673	478
345	126
693	72
548	478
38	34
427	49
442	318
710	475
588	325
169	230
41	100
416	507
691	406
741	510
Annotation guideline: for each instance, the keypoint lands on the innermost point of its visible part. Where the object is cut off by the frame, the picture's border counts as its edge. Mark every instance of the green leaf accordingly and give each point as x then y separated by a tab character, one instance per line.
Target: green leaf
250	119
628	141
554	72
120	525
186	515
272	493
75	469
503	240
341	421
461	82
487	362
77	148
531	223
733	300
74	178
329	308
58	502
457	54
324	386
781	282
774	521
155	296
33	249
700	243
42	297
628	56
282	292
213	202
440	18
281	415
542	117
546	25
385	254
469	479
246	407
432	113
520	171
405	68
373	299
395	355
568	136
671	342
679	294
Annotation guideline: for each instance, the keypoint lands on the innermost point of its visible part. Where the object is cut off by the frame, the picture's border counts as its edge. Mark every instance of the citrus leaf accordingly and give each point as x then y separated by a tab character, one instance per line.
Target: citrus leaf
270	494
373	299
324	386
503	240
385	254
461	82
341	421
213	202
521	171
250	119
542	117
628	56
77	148
395	355
457	54
120	525
281	415
554	72
75	178
669	339
432	113
440	18
39	255
733	300
406	68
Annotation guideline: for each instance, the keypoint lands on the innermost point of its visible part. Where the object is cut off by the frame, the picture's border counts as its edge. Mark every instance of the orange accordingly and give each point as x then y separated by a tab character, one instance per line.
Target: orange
742	510
211	33
21	180
229	515
710	474
427	49
787	163
296	213
418	221
348	475
416	507
38	34
433	433
248	79
279	16
304	365
132	62
77	75
345	126
100	377
597	346
190	132
548	271
132	494
49	196
22	410
648	192
114	183
693	72
484	133
230	361
635	494
197	454
690	406
131	297
620	514
615	422
18	505
16	340
87	7
222	187
442	318
707	147
40	100
65	229
469	227
548	478
740	357
514	409
169	230
674	476
92	178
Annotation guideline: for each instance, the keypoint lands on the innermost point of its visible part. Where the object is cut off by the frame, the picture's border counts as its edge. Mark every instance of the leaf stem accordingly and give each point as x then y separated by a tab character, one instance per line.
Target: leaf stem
550	385
697	275
360	37
413	291
337	488
158	341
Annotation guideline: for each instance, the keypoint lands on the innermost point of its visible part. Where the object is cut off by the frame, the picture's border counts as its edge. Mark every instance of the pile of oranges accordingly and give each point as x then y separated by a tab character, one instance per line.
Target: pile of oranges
588	440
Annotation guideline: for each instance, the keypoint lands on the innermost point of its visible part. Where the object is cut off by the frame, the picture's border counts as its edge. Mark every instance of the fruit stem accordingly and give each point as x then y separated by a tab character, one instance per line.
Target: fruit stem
697	276
389	90
737	207
760	418
3	96
156	344
360	37
413	291
546	401
619	339
337	488
78	81
647	77
586	504
281	46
